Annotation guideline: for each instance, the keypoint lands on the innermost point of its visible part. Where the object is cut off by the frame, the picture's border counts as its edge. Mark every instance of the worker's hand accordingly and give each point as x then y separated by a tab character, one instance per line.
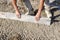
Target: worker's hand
37	17
18	14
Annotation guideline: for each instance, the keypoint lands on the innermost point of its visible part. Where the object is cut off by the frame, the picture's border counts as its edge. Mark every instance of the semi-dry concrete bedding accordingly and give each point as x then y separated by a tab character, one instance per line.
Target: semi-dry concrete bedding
19	30
13	29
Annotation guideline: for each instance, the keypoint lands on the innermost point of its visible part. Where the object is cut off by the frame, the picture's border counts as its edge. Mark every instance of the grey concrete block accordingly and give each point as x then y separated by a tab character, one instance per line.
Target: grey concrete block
25	18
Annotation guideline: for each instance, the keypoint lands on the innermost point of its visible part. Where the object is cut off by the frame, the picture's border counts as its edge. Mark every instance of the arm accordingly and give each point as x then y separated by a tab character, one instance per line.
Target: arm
38	15
14	4
40	6
18	14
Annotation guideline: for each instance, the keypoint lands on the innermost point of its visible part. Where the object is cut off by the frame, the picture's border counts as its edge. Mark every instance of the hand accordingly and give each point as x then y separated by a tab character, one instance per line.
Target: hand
18	14
37	17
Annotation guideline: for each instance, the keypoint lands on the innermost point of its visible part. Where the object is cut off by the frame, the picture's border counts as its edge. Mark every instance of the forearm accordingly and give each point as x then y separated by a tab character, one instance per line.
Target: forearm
14	4
41	6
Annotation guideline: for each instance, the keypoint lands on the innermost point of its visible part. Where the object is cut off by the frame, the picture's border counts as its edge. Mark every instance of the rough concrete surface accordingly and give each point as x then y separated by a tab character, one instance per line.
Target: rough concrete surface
25	18
19	30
